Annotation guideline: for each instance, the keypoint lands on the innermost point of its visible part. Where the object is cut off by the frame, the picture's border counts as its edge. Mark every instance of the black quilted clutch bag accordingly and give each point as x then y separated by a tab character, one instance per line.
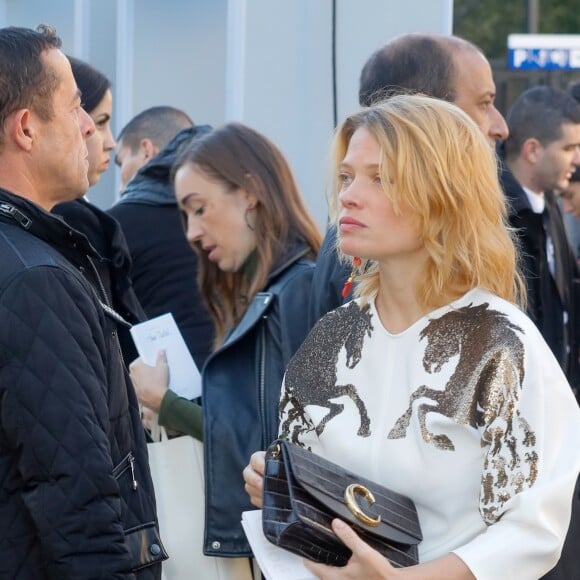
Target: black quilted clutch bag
304	492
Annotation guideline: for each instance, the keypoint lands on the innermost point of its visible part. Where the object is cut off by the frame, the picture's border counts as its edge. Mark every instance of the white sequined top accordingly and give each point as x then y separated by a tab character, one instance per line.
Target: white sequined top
466	412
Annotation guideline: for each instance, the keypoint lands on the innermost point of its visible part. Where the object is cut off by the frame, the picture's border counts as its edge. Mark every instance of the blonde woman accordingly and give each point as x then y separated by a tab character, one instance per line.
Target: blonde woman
453	397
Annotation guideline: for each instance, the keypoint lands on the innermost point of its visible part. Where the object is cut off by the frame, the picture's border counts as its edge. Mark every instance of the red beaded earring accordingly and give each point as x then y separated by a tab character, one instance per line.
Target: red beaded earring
356	263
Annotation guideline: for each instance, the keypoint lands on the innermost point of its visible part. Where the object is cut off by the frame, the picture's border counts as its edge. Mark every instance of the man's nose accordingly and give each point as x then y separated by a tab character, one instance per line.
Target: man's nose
498	129
86	123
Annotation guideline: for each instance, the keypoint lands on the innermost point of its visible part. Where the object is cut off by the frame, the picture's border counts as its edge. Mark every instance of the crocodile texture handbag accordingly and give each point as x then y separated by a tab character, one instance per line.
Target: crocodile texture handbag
304	492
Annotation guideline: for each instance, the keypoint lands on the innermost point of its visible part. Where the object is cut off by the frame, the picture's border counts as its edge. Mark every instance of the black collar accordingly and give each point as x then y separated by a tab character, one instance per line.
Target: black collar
48	227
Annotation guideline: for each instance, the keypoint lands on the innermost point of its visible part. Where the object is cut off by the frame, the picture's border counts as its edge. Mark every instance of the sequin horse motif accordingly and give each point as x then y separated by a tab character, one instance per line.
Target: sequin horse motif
311	375
487	380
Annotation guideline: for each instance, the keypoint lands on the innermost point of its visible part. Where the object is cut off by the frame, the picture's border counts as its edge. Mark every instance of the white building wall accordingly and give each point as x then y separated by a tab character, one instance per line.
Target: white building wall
267	63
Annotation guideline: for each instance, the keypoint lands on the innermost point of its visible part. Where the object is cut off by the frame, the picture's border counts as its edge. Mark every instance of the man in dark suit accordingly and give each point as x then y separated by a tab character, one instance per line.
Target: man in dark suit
541	154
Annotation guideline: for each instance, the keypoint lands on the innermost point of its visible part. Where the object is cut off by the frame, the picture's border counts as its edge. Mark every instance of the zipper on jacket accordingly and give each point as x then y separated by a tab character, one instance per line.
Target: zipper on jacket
128	462
100	282
107	307
262	382
13	212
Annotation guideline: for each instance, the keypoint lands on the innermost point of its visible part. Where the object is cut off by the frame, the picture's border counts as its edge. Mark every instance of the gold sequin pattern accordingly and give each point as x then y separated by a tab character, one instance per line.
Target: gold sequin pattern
311	374
483	392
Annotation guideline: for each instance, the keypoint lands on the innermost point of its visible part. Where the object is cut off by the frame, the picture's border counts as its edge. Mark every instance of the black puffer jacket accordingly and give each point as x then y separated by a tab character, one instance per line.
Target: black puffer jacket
113	266
76	497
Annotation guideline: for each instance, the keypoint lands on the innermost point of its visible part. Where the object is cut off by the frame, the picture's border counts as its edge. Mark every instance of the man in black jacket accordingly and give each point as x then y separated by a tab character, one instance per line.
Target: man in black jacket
164	267
445	67
541	154
77	499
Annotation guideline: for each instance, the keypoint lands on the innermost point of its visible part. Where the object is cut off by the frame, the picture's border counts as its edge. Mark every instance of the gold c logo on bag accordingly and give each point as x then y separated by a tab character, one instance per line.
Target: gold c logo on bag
350	499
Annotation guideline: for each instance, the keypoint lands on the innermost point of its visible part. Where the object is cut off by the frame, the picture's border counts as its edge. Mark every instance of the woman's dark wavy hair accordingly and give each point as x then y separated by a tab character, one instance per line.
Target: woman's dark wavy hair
92	83
241	158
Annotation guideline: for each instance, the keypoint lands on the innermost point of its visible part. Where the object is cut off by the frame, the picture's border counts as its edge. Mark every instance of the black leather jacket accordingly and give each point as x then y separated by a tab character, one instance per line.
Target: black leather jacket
241	392
76	498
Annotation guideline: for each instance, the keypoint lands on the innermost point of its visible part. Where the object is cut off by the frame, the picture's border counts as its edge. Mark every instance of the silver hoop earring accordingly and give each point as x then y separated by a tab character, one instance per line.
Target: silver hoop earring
250	227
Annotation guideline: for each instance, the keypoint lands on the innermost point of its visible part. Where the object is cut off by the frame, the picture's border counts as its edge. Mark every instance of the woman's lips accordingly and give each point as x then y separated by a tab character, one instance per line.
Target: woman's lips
211	253
349	224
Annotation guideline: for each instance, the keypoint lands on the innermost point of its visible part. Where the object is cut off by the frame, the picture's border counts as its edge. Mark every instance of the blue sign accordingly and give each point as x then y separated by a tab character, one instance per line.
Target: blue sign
544	51
540	59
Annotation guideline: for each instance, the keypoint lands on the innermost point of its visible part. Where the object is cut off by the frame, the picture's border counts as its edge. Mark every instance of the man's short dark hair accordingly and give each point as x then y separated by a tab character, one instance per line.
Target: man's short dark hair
539	113
25	82
412	63
574	90
159	124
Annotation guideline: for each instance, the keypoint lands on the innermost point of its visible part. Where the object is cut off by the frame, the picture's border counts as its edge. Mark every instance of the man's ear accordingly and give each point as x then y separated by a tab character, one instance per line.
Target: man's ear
532	150
20	128
148	148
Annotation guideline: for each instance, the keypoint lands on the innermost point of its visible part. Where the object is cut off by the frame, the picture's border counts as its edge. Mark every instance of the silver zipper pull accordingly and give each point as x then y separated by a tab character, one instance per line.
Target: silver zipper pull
134	483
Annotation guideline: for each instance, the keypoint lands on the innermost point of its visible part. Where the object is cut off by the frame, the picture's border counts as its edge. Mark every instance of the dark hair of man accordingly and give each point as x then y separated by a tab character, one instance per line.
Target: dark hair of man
412	63
539	113
159	124
92	83
25	82
574	90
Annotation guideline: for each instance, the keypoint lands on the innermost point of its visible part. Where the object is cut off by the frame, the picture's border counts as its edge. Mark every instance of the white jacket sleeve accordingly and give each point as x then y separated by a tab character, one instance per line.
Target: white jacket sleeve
530	468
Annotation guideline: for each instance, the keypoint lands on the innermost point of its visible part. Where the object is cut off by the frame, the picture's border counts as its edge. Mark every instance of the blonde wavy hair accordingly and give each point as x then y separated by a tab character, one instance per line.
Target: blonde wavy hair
436	163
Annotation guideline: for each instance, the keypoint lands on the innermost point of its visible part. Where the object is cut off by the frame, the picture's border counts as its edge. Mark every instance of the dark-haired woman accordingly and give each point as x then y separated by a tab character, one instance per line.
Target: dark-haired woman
110	272
256	241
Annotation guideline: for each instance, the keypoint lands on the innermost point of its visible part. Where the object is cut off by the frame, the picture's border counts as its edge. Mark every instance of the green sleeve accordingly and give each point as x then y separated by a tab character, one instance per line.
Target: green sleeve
182	415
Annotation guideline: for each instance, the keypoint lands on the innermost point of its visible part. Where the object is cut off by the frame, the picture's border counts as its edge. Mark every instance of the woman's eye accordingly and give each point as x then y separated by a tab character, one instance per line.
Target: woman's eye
344	178
199	211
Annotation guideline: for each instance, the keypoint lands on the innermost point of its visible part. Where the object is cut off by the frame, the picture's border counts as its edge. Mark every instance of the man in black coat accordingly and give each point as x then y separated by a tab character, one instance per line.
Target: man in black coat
77	498
445	67
164	267
541	154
